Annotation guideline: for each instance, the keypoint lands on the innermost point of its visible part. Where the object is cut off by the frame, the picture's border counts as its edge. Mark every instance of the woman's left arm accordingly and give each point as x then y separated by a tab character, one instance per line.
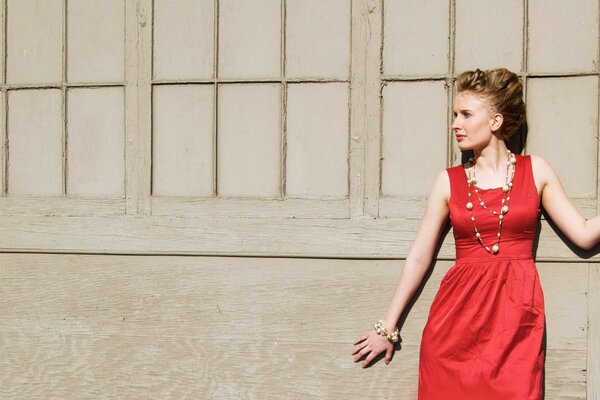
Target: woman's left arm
559	207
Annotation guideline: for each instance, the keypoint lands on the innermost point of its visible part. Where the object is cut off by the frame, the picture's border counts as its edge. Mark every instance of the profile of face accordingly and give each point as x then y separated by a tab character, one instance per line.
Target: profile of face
474	125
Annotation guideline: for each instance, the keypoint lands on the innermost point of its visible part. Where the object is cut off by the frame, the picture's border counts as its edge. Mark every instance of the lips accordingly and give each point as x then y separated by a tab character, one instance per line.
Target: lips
460	137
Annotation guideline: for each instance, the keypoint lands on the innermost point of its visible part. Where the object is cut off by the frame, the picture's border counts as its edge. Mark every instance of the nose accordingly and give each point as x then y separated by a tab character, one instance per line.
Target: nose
455	124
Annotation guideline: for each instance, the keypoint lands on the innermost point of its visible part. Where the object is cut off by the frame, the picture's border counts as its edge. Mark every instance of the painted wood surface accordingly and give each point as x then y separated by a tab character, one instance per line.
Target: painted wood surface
94	326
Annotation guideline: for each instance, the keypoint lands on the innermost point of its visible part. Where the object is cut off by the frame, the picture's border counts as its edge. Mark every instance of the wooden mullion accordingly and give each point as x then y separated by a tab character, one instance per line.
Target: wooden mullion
138	106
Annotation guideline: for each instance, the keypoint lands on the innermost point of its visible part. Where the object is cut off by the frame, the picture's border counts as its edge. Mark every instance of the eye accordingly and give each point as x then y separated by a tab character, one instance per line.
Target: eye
467	114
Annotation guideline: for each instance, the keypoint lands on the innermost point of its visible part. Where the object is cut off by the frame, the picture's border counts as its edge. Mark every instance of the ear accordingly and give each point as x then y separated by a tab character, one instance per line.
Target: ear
496	122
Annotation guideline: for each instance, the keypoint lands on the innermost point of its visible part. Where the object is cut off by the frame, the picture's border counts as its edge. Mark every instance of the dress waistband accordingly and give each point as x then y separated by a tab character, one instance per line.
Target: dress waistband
491	258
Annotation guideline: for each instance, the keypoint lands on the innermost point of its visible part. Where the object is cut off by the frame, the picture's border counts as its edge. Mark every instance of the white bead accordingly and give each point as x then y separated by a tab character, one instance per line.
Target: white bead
478	235
504	209
469	206
495	248
482	204
505	188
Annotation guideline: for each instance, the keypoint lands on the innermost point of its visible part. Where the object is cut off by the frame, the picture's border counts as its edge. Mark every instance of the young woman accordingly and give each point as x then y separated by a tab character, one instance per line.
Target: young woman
484	334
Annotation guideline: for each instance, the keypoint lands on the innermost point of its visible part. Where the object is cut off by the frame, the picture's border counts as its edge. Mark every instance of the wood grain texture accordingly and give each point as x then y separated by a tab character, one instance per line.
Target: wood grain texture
223	207
112	327
358	105
593	345
294	237
372	112
138	105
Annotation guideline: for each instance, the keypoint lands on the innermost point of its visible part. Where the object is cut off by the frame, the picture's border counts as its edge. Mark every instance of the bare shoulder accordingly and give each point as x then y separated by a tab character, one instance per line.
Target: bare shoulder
542	170
441	186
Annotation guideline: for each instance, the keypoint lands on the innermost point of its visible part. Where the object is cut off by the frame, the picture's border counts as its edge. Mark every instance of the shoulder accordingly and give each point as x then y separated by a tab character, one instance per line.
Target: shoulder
441	186
542	170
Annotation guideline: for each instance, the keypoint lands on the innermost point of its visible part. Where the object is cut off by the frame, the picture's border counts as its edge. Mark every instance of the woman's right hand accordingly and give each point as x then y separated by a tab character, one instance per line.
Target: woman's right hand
369	346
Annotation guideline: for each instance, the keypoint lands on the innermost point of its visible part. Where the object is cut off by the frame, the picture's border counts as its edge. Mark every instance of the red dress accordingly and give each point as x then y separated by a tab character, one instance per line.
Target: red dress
484	336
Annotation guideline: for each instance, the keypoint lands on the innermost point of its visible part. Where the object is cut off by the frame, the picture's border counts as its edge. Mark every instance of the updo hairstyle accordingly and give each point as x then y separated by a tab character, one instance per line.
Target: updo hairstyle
502	90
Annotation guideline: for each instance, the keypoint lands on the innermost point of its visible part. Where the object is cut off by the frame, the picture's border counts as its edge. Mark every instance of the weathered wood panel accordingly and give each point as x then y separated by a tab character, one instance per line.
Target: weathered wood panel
34	41
183	39
293	237
317	39
414	113
249	39
593	349
489	34
95	142
317	140
224	207
138	106
96	40
249	148
181	327
559	105
35	137
427	51
551	47
182	140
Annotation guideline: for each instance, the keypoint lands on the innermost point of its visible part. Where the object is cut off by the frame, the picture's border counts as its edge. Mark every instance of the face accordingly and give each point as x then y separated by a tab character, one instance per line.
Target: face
474	125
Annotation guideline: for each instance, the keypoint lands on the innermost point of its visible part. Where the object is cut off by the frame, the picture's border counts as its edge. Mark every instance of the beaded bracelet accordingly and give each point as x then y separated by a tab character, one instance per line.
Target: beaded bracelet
392	337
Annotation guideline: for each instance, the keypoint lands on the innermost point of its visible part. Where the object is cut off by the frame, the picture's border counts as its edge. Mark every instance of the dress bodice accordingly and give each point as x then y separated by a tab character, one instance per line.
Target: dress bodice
520	223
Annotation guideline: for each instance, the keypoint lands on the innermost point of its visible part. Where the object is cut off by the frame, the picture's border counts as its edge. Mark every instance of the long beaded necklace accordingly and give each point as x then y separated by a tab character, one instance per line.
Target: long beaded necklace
472	181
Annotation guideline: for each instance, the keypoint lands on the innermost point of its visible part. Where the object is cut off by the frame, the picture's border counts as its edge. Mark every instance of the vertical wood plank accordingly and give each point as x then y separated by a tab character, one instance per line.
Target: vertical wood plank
593	350
138	103
372	107
358	105
3	108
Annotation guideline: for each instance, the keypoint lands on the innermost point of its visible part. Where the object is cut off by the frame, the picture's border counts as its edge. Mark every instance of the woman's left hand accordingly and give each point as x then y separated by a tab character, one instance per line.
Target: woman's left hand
370	346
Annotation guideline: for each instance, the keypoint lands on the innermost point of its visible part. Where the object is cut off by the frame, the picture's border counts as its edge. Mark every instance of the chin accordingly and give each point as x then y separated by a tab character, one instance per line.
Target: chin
464	146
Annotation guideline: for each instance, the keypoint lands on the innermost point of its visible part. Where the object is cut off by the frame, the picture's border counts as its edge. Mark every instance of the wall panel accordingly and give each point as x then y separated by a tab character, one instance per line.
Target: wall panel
558	109
95	147
489	34
317	139
249	140
317	38
250	39
34	41
183	140
166	313
96	40
428	49
551	40
183	39
414	118
35	134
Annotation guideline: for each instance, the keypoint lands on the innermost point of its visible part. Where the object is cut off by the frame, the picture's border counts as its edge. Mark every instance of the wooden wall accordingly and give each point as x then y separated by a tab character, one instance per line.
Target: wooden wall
211	199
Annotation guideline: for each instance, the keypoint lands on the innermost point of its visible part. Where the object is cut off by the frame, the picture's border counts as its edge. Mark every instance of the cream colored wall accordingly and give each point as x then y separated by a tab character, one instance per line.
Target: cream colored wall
138	133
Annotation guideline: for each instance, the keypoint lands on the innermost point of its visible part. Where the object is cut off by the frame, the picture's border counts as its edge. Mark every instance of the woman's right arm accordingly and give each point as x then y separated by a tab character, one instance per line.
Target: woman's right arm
415	267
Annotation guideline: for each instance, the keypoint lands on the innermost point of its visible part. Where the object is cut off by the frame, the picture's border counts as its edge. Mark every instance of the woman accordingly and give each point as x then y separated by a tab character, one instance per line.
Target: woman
484	334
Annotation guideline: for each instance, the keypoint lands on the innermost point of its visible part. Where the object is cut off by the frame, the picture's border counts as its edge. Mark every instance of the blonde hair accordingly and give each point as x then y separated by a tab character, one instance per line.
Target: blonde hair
503	92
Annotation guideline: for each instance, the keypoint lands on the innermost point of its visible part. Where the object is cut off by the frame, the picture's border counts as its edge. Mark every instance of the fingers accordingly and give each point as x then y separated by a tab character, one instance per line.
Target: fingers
368	360
360	339
360	354
389	353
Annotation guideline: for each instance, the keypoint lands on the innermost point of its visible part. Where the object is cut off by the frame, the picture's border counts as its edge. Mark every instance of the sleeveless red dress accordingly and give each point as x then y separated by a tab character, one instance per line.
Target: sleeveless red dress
484	335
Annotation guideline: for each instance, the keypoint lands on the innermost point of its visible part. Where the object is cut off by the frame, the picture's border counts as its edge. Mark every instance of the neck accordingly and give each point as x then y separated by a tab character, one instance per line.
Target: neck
492	158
